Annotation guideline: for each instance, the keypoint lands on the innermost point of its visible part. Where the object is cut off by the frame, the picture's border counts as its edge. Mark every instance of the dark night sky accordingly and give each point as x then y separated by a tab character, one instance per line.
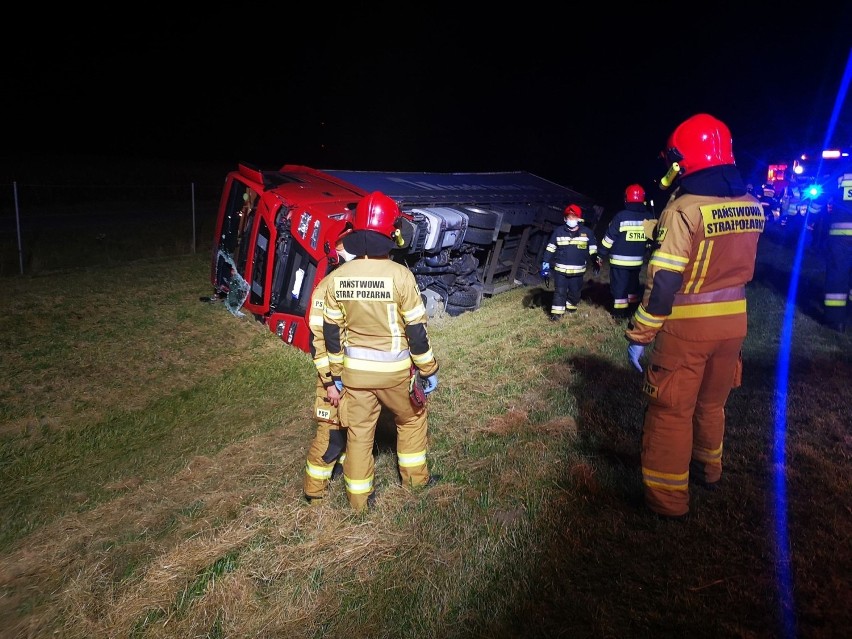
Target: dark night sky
584	101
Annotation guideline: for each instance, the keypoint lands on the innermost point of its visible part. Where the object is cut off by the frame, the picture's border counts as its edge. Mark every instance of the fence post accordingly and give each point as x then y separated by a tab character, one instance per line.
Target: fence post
18	227
192	190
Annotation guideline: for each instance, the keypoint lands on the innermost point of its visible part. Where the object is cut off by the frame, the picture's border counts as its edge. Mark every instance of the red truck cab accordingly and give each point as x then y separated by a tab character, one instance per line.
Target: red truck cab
274	231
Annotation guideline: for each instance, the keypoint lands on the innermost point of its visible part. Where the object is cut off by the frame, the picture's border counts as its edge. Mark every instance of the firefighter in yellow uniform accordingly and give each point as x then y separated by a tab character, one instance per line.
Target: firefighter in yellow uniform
694	310
328	448
375	329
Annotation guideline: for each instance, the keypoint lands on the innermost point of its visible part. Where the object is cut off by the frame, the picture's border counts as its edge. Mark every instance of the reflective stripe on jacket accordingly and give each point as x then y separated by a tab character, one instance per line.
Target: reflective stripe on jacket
315	320
569	250
626	240
375	324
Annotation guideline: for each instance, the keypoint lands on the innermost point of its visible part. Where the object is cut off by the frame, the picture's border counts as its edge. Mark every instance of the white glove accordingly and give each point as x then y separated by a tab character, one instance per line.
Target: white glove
634	352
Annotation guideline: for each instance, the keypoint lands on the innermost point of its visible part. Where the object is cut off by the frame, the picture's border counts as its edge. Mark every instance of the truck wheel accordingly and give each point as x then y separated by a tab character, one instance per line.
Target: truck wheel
453	310
478	236
465	298
481	219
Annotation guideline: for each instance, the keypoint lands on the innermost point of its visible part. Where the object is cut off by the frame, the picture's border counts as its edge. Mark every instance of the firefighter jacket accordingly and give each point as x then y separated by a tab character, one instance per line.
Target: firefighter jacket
627	237
705	255
374	324
569	250
317	340
838	262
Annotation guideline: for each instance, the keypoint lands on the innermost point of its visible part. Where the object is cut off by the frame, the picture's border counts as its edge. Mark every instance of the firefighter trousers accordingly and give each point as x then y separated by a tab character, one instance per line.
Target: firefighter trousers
326	449
359	413
687	384
625	288
838	280
566	293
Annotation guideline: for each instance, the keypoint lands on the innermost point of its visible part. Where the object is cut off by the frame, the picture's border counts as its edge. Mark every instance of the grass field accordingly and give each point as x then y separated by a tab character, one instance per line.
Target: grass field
153	448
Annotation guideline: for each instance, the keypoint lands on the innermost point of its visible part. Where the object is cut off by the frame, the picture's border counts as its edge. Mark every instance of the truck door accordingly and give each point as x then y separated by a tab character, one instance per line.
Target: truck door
234	223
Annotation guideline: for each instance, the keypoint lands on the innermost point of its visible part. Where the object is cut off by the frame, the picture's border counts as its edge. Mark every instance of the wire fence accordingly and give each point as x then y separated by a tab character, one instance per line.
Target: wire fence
46	227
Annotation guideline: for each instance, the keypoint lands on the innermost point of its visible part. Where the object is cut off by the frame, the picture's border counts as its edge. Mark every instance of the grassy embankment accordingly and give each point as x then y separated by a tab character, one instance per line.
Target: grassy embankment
153	449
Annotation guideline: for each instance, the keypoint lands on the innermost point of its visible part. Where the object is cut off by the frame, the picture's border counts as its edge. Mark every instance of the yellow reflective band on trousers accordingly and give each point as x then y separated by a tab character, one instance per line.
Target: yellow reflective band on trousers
319	472
714	309
665	481
359	486
410	460
707	455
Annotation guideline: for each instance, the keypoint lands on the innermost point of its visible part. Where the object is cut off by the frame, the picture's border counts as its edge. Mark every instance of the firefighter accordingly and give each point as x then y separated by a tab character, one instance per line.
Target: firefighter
625	243
694	310
570	247
838	256
328	448
771	206
791	196
375	330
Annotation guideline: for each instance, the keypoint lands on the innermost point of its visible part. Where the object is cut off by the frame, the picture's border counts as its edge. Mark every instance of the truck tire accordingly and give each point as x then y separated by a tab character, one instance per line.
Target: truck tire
478	236
481	219
455	311
465	298
452	310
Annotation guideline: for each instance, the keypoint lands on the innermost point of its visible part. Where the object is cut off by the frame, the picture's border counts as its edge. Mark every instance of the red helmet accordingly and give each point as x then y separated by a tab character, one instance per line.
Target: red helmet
634	193
377	212
572	210
700	142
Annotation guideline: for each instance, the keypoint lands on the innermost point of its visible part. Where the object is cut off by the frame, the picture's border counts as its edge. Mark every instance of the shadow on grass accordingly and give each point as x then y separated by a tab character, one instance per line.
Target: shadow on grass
776	273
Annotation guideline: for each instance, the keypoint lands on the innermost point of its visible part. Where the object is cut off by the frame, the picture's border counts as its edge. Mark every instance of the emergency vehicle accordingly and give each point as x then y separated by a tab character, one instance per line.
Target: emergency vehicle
466	235
800	185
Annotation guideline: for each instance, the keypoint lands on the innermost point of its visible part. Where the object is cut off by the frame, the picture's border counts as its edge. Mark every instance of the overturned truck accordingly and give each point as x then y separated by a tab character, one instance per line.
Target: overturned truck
470	235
